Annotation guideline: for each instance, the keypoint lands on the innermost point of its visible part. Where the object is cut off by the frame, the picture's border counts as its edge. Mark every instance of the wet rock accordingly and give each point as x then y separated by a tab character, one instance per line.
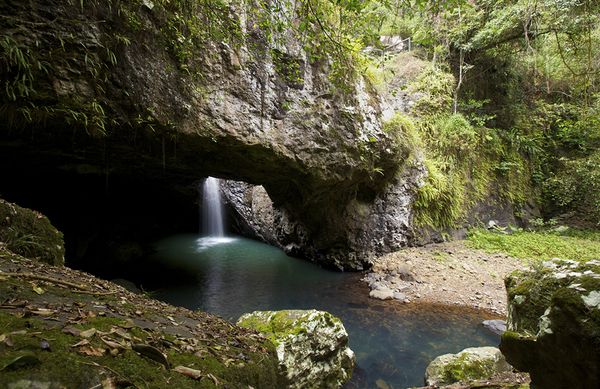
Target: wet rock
382	294
554	324
312	346
476	363
496	326
30	234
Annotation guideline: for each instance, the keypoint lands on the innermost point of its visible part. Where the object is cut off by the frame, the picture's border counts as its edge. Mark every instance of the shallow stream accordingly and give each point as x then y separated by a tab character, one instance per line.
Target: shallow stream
393	342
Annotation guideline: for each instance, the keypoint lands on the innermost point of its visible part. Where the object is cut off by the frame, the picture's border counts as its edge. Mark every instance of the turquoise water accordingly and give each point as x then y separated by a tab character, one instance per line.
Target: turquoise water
393	342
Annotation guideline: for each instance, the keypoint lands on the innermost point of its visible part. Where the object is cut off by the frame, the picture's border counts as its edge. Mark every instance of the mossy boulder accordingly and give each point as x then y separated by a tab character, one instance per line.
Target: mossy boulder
30	234
312	346
475	363
554	324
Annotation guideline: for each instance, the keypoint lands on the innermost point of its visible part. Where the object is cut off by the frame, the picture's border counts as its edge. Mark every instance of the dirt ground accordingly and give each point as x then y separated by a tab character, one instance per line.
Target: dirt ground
447	273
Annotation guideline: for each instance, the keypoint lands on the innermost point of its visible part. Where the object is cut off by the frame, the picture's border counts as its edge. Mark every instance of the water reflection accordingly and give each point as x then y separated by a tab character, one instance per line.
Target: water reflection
393	342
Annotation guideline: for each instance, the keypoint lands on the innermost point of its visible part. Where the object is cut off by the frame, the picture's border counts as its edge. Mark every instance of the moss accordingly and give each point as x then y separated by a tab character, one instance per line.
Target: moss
517	348
277	326
536	245
465	369
30	234
58	364
290	69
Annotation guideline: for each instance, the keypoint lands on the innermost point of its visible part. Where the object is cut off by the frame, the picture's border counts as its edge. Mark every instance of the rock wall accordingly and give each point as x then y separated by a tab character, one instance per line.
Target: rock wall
134	87
371	227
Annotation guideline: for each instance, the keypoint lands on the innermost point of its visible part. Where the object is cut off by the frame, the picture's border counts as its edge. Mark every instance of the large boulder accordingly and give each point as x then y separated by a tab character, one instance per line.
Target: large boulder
312	346
475	363
554	324
30	234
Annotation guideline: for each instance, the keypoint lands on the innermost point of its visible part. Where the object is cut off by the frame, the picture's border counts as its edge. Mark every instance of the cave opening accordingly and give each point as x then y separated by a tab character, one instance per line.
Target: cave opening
109	220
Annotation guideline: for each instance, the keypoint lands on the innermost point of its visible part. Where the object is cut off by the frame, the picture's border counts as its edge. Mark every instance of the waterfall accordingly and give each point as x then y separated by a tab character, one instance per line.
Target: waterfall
212	209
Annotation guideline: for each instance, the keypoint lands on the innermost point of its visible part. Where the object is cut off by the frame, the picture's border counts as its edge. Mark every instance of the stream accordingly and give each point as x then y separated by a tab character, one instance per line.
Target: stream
393	342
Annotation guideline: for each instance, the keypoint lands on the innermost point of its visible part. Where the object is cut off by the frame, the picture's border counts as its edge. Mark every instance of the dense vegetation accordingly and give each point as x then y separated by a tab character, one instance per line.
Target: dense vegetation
507	94
509	102
527	72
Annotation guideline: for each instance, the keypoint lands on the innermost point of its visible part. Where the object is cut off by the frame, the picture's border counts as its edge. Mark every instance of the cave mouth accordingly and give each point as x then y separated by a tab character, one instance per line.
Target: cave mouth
110	221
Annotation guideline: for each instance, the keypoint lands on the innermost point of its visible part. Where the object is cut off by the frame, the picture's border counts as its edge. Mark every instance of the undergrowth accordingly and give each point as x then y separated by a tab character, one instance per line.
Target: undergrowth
466	161
578	245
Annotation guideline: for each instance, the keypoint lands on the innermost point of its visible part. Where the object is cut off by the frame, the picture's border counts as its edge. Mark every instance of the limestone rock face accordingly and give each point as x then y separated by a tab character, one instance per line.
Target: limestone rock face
475	363
312	346
554	324
30	234
366	227
136	78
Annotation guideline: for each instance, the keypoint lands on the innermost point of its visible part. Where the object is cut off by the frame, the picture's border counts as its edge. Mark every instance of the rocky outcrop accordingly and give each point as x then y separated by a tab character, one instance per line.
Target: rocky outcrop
147	87
475	363
312	346
29	233
554	324
367	227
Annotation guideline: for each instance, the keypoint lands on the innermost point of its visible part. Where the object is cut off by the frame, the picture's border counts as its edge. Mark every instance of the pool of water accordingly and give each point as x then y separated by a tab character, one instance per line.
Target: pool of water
393	342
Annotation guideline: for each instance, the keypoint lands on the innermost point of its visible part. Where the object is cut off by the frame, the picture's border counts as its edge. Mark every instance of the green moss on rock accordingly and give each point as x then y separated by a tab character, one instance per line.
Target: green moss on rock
554	324
30	234
312	346
477	363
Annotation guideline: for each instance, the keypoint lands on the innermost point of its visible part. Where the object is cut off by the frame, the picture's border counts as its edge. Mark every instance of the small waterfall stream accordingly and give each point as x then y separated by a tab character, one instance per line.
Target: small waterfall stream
212	209
213	225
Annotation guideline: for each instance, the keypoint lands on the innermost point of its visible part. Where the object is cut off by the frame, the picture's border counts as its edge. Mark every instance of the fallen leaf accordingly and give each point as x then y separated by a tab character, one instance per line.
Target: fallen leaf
71	331
43	312
9	342
21	361
213	378
88	333
37	289
186	371
109	383
81	343
92	351
112	344
151	353
119	331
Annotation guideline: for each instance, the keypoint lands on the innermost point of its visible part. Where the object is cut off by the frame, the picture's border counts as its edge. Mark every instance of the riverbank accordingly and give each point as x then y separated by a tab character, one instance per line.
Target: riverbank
449	273
55	318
